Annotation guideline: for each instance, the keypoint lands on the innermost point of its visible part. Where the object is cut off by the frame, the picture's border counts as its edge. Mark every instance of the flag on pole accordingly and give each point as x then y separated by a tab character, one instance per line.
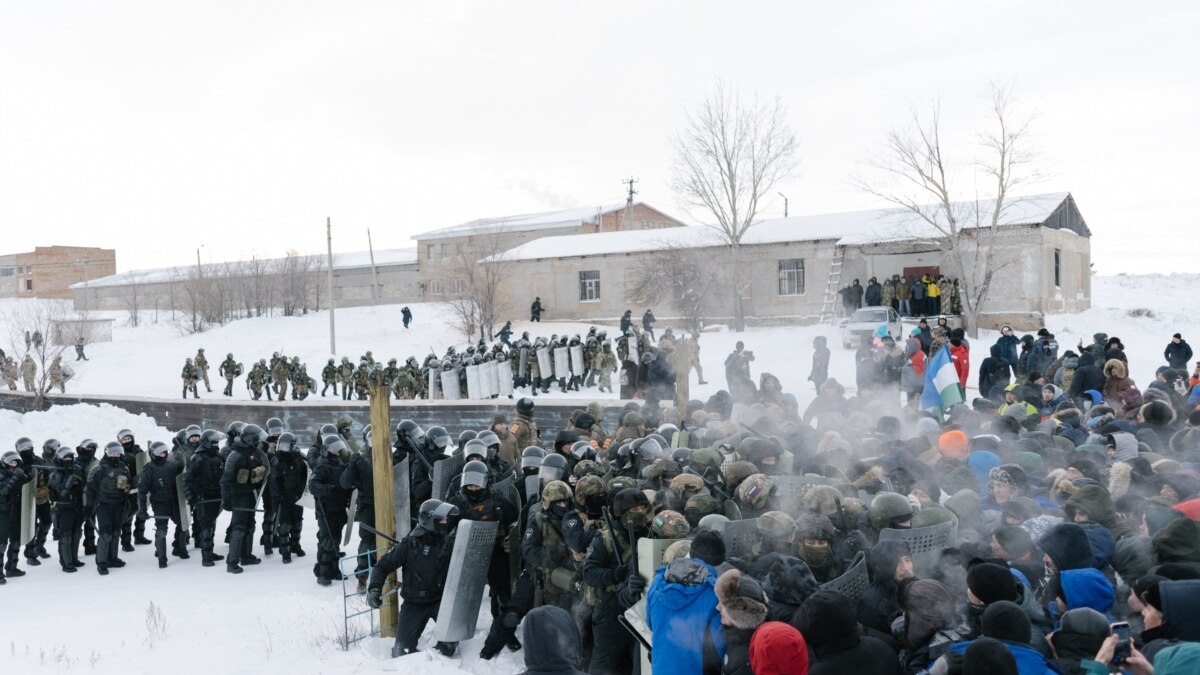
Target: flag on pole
942	388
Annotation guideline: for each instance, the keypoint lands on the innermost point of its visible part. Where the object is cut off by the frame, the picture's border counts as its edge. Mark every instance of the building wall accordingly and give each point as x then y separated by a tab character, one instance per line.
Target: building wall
397	284
49	271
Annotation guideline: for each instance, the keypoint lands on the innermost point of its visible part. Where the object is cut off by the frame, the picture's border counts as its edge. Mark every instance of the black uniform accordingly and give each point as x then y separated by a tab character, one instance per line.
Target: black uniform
490	506
243	477
86	459
36	547
11	482
66	487
107	495
156	487
289	476
425	559
606	570
332	501
357	476
202	481
133	525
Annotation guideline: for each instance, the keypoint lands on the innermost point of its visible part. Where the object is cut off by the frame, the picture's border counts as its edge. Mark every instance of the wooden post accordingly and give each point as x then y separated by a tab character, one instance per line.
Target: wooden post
385	515
682	366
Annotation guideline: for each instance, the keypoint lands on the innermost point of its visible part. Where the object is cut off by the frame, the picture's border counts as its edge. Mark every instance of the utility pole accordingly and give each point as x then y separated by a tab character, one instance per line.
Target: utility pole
784	204
374	272
629	201
85	285
385	513
329	249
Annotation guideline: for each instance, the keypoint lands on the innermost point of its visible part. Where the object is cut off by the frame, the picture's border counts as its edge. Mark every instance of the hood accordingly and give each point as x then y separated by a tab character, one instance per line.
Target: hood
1095	502
1114	368
789	581
968	506
883	558
1068	546
778	649
551	640
1087	588
1127	446
981	463
828	621
1086	359
683	583
1181	609
1178	542
928	607
1103	545
1181	658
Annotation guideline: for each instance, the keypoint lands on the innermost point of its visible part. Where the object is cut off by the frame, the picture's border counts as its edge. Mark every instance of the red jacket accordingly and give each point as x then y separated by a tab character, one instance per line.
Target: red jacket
960	356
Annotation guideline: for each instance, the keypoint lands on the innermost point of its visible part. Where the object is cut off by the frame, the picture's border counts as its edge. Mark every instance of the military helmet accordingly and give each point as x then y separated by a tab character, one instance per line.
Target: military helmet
188	361
753	491
11	457
275	426
619	483
234	429
489	438
587	467
438	437
669	525
589	486
229	355
63	453
776	525
738	472
343	422
667	430
582	450
553	467
648	448
475	448
210	439
122	434
556	491
50	447
252	435
713	521
888	509
114	449
475	473
327	430
702	459
815	526
466	435
525	405
433	510
681	456
88	444
689	483
823	499
286	442
159	449
409	431
699	506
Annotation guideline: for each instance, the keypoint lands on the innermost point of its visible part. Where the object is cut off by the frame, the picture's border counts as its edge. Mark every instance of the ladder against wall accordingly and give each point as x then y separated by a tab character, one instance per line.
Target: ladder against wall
833	299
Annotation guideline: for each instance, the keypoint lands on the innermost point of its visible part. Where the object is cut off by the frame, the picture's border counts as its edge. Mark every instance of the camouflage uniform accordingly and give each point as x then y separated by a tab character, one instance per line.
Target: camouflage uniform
524	431
361	381
281	373
9	370
56	375
201	364
404	386
229	369
329	377
693	357
608	366
257	379
28	372
390	373
346	376
190	376
300	383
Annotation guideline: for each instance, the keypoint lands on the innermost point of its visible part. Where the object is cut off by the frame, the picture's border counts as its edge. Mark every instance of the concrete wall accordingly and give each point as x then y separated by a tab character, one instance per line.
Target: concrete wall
397	284
304	418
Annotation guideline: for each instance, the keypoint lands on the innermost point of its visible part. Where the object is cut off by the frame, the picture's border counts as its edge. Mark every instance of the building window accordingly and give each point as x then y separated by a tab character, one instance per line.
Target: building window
435	287
1057	268
445	251
457	286
6	271
791	276
589	286
29	284
429	251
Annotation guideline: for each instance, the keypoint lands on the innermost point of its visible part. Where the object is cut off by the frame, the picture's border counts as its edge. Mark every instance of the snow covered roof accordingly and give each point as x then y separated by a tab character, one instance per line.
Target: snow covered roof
341	261
546	220
853	228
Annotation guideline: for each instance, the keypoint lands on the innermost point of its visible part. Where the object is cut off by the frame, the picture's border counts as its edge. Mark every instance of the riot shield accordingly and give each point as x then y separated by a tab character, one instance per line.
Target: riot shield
925	544
504	379
633	351
562	367
29	508
545	363
792	489
350	510
489	383
533	488
185	514
853	581
444	470
474	386
432	385
401	504
261	456
578	367
465	580
307	501
450	388
739	538
523	364
650	556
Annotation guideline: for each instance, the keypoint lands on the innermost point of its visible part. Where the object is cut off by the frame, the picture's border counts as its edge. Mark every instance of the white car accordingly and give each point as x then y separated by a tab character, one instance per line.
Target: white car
865	321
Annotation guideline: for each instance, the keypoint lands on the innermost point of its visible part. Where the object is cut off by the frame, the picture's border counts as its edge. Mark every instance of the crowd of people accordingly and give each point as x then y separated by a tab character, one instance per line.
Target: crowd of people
1072	525
26	370
920	295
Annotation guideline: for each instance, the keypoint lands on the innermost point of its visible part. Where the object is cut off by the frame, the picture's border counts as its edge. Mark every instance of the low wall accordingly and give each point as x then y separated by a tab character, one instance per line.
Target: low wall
304	418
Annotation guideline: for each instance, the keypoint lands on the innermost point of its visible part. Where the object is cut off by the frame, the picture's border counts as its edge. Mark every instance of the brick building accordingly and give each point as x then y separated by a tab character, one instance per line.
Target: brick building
49	271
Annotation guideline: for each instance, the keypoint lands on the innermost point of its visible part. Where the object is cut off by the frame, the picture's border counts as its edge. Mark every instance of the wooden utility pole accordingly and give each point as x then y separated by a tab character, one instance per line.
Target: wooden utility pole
629	204
385	514
682	365
329	245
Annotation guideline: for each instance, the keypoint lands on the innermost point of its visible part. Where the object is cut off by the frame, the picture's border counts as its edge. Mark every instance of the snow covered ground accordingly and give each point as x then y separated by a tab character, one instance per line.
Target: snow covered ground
274	618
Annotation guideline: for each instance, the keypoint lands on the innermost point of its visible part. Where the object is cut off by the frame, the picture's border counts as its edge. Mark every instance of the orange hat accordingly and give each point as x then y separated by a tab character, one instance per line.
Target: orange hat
953	444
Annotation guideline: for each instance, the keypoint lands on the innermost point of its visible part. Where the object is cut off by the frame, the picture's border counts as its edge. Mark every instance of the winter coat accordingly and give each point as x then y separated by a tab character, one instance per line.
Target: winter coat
1087	588
912	377
1068	547
837	647
874	294
1029	661
960	356
551	642
1178	355
778	649
994	374
903	290
1065	375
1087	377
11	482
1008	345
681	612
877	605
424	558
1181	617
1045	352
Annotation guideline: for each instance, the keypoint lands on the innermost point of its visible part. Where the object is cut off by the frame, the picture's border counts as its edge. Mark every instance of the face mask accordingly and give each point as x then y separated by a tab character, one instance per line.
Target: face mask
559	510
815	555
639	519
595	503
476	496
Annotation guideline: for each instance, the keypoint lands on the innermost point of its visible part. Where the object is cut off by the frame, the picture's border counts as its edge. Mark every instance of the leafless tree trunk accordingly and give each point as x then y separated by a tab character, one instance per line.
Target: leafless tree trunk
482	271
728	158
681	276
132	298
36	317
915	175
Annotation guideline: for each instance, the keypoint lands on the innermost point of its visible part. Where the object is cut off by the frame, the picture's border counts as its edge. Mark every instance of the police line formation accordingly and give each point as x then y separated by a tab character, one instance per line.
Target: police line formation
478	372
726	535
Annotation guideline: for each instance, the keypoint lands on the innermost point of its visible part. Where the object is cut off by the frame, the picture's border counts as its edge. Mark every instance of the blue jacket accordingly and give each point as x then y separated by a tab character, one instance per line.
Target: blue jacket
678	615
1029	661
1087	588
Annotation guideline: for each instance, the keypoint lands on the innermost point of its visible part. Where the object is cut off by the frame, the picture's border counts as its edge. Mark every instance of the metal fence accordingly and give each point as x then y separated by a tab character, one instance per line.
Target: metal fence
360	621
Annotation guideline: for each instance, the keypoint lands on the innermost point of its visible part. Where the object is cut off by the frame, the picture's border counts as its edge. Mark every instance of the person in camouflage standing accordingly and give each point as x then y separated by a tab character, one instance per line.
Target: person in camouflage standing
56	375
608	366
190	375
693	356
362	381
201	363
390	373
281	373
28	372
523	428
300	383
257	379
346	374
229	369
404	386
329	377
8	368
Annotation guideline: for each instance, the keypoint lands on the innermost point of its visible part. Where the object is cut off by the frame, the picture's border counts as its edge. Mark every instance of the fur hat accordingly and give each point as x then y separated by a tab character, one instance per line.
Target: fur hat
743	598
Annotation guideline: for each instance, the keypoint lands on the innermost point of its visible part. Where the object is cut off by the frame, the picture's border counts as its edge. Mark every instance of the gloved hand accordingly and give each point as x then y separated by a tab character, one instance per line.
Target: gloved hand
636	583
226	506
20	475
628	597
143	514
374	598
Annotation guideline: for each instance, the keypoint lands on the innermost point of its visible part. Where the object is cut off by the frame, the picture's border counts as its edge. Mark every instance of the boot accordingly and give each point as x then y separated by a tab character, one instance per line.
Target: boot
249	558
206	557
13	571
42	553
32	561
267	542
162	563
235	551
139	534
69	569
296	550
126	541
185	393
286	554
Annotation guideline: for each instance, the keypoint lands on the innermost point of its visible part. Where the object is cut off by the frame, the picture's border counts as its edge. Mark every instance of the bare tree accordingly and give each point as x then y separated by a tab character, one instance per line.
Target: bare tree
131	297
681	276
40	319
729	157
477	276
299	277
915	175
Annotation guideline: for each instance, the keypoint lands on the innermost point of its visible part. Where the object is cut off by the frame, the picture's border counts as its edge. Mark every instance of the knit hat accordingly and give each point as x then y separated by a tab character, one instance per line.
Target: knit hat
989	657
1085	621
778	649
1086	588
709	546
743	598
953	444
991	583
1005	620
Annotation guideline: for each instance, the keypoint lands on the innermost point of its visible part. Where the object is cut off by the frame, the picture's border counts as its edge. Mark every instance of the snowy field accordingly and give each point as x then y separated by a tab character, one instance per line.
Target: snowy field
274	618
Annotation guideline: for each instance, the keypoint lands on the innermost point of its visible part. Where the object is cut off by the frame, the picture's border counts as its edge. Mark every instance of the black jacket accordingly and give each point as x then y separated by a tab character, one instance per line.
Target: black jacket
104	483
836	646
156	486
1177	355
289	476
202	479
66	486
244	474
325	485
11	482
1087	376
357	476
425	559
552	643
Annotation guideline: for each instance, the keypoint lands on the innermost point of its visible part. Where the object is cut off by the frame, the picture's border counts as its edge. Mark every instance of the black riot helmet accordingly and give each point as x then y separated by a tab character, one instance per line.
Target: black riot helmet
475	448
286	442
275	426
234	428
410	432
467	435
437	437
475	474
87	445
531	460
554	467
335	446
437	517
64	455
489	439
159	450
24	445
326	431
525	405
582	450
210	439
252	435
113	450
50	447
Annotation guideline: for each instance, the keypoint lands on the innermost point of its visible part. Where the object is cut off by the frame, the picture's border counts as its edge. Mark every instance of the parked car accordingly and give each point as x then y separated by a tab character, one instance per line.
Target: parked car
864	321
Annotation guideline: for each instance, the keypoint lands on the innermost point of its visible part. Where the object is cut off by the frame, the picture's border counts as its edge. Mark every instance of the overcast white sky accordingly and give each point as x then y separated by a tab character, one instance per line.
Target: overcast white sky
155	128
